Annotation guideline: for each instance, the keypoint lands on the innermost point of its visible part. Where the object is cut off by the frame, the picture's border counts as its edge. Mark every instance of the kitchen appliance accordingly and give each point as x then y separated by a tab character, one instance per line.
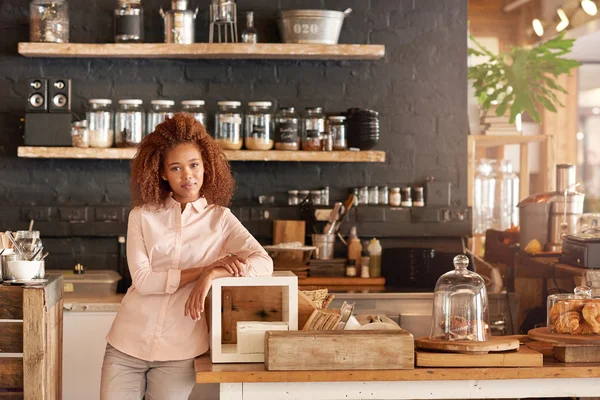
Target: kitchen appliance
547	217
582	250
311	26
223	16
59	95
179	22
47	129
37	95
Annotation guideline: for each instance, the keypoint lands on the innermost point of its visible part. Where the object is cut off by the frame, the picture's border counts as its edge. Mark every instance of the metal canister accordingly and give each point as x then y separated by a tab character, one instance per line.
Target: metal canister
179	22
4	259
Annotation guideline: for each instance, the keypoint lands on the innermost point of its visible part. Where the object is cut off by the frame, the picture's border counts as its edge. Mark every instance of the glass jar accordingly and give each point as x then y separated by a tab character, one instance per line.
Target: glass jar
565	312
337	130
406	197
196	108
286	129
129	124
249	34
258	126
293	198
316	198
79	134
29	242
374	195
100	119
506	196
383	195
313	126
483	197
419	198
228	125
395	198
363	195
129	21
49	21
460	305
303	194
325	196
159	111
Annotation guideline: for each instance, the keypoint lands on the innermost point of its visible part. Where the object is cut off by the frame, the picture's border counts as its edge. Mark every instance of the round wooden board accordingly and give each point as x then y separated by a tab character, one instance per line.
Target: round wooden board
497	343
545	335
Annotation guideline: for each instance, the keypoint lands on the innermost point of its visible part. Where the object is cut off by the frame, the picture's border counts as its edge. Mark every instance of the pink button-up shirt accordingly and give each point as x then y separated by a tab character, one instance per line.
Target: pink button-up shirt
150	324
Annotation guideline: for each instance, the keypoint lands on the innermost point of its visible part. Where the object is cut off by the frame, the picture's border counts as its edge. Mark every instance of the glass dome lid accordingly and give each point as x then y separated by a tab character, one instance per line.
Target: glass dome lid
460	305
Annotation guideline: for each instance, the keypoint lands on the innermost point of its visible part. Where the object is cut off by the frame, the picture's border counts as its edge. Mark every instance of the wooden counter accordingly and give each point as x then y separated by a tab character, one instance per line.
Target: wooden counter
33	325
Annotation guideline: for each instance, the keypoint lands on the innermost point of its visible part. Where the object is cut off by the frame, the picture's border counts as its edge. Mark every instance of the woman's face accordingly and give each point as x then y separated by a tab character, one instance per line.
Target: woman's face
184	170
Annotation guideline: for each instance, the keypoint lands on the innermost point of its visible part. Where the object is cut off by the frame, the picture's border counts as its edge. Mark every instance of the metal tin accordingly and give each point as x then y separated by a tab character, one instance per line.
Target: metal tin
179	23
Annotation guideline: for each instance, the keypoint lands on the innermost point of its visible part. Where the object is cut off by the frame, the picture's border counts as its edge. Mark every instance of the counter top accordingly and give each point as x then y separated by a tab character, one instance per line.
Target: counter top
207	372
76	302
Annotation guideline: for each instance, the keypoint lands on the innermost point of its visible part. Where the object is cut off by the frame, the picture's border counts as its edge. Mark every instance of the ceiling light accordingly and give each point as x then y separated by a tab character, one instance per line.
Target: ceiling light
538	27
589	7
564	20
580	135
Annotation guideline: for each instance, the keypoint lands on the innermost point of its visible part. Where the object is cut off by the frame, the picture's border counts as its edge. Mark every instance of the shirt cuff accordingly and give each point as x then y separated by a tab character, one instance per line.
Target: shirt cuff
173	279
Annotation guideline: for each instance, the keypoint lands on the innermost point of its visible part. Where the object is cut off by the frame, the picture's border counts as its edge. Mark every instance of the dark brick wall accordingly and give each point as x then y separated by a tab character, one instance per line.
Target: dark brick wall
419	89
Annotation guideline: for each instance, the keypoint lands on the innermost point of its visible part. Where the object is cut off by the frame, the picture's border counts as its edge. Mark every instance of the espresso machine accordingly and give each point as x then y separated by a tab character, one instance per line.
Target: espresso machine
548	217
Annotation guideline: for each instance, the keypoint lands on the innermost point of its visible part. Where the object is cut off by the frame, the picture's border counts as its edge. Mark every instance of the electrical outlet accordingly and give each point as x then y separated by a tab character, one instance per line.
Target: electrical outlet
73	214
109	214
35	213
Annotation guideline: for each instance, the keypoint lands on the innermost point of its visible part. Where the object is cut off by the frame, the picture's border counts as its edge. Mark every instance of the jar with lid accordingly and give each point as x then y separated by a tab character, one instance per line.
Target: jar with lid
313	126
383	195
460	305
258	127
228	125
159	111
29	242
302	195
325	196
196	108
337	130
565	312
79	134
419	200
286	129
395	198
129	124
374	195
293	198
49	21
100	119
129	21
315	196
406	197
363	195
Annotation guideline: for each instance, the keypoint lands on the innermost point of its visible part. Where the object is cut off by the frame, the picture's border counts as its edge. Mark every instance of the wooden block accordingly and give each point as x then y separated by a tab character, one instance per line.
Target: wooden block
524	357
289	231
339	350
576	353
251	335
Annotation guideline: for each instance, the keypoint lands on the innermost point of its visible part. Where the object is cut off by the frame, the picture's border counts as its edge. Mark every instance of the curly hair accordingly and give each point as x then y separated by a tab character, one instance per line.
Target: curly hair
146	185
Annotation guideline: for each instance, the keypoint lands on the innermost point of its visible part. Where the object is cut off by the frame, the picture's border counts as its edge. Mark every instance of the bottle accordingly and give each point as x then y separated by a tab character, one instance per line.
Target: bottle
351	268
374	258
364	261
354	246
249	35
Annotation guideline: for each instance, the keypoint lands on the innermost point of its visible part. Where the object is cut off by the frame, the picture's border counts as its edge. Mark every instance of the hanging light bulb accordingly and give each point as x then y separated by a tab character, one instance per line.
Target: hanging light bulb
564	20
538	27
589	7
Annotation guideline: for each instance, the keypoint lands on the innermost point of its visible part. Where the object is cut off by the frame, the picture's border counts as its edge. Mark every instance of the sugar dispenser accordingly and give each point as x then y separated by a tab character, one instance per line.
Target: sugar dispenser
179	22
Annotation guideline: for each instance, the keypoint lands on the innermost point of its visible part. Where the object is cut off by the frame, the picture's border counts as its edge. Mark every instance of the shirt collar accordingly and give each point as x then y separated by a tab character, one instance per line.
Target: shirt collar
199	204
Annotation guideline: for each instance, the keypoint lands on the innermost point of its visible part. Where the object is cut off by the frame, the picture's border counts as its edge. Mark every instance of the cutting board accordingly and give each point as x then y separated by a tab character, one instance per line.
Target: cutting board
338	350
524	357
288	231
497	343
546	335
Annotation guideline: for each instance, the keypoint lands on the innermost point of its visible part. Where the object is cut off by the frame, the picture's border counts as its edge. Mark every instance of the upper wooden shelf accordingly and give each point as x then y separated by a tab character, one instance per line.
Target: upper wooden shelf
204	50
232	155
495	141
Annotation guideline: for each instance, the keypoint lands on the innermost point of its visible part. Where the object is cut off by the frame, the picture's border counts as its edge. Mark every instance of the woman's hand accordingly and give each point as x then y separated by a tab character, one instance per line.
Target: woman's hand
233	264
194	306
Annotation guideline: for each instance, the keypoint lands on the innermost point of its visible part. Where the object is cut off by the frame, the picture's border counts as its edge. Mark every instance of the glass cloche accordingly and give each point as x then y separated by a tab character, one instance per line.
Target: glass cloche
460	305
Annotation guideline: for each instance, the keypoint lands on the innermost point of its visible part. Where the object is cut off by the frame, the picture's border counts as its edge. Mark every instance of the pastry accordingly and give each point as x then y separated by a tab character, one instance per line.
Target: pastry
583	329
567	322
562	307
590	313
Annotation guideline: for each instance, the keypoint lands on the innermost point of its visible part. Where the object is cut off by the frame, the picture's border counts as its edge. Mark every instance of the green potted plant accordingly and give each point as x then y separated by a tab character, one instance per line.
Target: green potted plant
521	79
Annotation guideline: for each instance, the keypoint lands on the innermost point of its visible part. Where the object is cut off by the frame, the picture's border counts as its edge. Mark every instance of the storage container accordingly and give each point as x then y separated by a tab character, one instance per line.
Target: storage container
90	283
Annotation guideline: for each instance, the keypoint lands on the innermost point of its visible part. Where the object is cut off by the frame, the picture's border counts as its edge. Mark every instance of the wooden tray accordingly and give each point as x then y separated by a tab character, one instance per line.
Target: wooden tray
545	335
524	357
497	343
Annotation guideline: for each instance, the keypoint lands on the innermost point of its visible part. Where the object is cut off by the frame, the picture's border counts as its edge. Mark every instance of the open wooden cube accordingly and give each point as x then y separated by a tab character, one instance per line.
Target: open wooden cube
262	298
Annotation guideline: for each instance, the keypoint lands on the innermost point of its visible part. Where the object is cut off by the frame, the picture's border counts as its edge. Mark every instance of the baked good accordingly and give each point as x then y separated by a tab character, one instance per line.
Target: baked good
567	322
590	313
562	307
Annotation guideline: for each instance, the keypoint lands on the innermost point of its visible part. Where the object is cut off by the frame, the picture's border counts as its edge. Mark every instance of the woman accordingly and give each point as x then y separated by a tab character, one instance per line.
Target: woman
180	238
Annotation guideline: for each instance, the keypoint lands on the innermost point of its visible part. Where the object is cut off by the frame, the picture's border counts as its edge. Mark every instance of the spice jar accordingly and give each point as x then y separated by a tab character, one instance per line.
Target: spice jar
129	124
293	198
374	195
337	130
49	21
312	127
196	108
79	134
228	125
406	197
419	198
303	194
315	196
363	195
100	120
159	111
286	129
383	195
129	21
395	198
258	126
325	196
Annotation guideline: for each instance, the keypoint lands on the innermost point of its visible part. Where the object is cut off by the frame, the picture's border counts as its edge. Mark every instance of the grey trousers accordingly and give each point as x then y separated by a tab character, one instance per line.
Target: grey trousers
128	378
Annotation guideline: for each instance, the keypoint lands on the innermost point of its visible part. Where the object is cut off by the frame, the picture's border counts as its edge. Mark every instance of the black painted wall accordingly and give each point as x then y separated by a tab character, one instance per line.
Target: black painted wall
419	88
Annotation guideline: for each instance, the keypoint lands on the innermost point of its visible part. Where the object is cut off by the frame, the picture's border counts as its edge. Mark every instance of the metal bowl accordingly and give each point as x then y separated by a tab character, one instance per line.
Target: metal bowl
311	26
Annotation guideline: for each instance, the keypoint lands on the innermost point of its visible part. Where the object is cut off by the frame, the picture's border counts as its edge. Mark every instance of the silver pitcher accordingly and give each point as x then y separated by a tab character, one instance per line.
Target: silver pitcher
180	22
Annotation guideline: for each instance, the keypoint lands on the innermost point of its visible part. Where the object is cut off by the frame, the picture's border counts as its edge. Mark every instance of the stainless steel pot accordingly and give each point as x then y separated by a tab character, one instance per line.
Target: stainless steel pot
179	23
311	26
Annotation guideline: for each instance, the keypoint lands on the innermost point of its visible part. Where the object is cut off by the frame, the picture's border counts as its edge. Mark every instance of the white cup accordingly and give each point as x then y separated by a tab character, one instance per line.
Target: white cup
24	270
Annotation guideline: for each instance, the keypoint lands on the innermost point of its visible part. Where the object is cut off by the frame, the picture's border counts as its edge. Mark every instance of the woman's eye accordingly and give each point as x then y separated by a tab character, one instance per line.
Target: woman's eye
195	165
175	169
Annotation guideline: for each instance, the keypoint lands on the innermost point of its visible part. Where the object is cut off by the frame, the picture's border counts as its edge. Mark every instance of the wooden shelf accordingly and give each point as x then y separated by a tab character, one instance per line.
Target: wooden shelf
232	155
494	141
204	50
340	281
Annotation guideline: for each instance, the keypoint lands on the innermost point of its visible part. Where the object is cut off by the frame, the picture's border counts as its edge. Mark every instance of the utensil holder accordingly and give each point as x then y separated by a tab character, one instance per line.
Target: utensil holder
324	244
